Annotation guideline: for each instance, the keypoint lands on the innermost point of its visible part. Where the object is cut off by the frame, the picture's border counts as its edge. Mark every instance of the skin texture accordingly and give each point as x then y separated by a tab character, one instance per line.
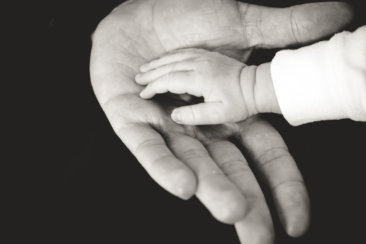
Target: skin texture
200	73
187	160
232	91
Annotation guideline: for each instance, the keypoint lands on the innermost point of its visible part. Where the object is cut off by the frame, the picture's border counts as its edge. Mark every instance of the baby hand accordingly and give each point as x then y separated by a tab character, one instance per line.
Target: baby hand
198	72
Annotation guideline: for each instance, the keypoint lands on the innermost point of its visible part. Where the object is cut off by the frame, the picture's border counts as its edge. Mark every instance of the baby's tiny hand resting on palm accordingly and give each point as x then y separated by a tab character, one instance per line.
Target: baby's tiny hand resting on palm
201	73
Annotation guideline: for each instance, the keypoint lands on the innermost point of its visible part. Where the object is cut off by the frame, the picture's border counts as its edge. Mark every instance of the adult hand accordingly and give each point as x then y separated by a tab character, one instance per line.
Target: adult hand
188	160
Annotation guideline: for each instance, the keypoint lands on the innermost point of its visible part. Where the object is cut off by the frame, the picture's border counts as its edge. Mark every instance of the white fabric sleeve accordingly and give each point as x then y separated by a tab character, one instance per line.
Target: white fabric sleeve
323	81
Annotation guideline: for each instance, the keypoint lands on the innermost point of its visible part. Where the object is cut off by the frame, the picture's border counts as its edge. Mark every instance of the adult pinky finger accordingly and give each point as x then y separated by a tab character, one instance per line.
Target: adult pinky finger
150	149
272	160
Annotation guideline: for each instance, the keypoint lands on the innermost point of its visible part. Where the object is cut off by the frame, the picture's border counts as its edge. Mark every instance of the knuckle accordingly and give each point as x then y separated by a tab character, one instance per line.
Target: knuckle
234	167
295	31
271	156
194	154
147	144
288	185
158	161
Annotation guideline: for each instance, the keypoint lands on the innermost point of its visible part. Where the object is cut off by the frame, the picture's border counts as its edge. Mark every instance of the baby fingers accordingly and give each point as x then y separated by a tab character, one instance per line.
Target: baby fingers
200	114
145	78
172	57
176	82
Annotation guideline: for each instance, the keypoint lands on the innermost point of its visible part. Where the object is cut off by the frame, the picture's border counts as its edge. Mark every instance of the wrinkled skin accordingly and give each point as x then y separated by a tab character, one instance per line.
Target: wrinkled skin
187	160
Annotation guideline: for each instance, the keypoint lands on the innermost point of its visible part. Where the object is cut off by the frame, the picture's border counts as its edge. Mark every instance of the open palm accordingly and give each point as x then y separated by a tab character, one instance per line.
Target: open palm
188	160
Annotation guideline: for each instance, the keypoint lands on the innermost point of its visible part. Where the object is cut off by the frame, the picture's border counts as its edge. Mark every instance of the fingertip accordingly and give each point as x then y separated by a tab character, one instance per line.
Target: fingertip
184	193
186	185
138	78
255	229
296	230
143	68
176	116
142	79
298	224
224	200
293	206
344	11
188	115
233	210
143	94
259	235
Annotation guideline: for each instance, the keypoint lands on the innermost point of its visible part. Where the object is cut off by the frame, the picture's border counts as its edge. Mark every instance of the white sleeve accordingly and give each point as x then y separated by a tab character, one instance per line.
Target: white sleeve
323	81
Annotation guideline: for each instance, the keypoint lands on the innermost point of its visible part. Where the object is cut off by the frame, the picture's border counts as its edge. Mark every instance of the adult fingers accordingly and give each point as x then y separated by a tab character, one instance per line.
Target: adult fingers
280	27
273	161
151	151
256	227
200	114
144	78
221	197
177	82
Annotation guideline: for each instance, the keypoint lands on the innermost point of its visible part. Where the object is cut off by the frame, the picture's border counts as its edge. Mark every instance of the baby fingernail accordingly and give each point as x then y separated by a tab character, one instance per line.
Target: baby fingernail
142	93
142	68
176	116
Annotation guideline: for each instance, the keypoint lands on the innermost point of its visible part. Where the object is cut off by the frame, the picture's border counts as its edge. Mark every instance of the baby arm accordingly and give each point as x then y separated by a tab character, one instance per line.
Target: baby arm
323	81
231	90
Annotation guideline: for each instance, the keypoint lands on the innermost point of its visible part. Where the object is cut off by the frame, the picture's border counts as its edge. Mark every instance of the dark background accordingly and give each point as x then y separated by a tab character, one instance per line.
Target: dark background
73	181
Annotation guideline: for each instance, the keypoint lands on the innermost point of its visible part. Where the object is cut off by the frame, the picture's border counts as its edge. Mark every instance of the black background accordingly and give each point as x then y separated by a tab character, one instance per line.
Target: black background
73	181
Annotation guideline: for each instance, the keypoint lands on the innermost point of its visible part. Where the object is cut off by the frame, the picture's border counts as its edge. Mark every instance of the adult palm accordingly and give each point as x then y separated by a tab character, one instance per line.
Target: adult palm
188	160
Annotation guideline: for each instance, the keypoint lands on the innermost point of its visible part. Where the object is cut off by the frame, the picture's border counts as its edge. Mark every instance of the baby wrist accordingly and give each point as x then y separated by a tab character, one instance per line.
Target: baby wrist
264	92
247	83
